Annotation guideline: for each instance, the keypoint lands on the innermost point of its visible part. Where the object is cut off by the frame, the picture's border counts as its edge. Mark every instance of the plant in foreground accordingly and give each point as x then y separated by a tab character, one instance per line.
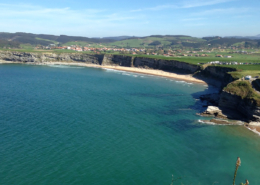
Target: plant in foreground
238	163
247	183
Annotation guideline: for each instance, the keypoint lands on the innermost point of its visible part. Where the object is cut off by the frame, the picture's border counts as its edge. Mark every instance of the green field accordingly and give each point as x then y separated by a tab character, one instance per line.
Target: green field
54	42
137	42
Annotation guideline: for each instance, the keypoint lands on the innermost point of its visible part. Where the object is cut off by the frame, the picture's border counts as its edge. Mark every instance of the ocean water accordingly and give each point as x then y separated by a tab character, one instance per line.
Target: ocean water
65	125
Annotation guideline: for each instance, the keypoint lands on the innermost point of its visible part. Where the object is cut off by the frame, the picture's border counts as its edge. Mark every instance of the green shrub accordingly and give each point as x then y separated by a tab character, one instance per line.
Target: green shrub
243	89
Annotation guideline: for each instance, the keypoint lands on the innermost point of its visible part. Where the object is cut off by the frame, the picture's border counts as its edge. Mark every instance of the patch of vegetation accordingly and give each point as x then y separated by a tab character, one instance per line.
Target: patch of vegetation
54	42
253	71
243	89
155	43
32	41
9	44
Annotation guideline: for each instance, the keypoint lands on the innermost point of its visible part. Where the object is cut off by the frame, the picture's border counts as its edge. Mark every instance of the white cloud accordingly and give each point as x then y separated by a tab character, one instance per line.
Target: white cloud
36	19
185	4
221	11
199	3
28	12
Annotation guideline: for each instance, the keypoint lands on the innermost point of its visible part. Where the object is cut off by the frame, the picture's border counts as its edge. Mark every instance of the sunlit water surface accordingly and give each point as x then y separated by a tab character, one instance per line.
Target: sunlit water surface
74	125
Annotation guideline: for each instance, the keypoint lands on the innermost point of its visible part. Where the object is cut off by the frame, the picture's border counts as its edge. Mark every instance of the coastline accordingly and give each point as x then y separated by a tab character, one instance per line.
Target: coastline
154	72
187	78
255	129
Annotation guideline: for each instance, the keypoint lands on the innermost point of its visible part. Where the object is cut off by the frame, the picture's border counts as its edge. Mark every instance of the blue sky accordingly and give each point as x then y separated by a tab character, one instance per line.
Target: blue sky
139	18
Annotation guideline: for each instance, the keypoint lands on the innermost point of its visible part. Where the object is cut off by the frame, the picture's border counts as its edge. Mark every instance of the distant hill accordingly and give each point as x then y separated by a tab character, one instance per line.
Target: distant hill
118	38
245	37
8	44
43	39
153	41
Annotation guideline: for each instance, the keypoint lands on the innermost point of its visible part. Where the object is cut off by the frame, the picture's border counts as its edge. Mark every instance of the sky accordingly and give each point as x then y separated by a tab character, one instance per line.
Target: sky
102	18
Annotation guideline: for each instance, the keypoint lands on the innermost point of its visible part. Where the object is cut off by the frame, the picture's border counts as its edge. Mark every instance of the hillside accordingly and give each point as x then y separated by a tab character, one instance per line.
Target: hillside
153	41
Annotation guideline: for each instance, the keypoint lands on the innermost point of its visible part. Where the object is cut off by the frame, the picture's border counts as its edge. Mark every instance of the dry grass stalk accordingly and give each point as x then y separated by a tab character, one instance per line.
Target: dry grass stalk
238	163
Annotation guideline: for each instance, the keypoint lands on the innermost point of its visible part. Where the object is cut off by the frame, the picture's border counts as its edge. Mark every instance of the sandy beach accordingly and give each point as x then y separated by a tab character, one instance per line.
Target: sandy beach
255	129
187	78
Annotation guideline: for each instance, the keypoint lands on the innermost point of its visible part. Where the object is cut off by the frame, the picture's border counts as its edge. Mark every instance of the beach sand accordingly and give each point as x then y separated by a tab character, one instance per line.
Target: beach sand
255	129
187	78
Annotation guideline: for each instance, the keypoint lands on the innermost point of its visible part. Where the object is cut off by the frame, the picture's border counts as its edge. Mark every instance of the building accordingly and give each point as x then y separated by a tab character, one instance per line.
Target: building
248	77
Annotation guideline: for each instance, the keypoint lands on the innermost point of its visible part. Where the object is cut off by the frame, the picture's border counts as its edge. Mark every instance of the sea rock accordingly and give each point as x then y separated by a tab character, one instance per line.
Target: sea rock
214	111
254	123
223	122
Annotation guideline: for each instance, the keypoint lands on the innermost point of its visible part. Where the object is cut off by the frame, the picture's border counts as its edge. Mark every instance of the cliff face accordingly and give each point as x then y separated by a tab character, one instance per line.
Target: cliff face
112	60
217	75
246	107
150	63
119	60
48	57
167	65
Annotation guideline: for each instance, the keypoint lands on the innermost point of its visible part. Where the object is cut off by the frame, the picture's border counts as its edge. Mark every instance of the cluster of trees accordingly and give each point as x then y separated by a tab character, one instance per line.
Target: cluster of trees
9	44
155	43
32	41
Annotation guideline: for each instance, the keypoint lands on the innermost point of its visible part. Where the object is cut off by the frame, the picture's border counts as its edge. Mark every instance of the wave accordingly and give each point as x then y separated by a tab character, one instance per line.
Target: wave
253	130
206	122
111	70
63	66
221	124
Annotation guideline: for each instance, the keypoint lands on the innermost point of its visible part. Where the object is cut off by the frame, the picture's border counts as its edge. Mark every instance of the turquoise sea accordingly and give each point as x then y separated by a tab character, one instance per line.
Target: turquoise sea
65	125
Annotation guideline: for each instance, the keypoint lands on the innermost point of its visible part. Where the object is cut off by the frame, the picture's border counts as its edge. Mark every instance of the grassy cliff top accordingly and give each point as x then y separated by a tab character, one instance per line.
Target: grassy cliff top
243	89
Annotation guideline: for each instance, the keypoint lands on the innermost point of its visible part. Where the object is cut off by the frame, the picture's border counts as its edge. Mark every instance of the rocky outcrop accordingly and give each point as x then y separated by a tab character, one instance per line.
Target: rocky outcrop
48	57
246	107
214	111
166	65
111	60
217	75
119	60
223	122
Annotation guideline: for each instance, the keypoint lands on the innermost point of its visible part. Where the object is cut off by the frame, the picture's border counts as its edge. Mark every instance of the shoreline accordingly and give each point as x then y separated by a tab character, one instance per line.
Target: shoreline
155	72
255	129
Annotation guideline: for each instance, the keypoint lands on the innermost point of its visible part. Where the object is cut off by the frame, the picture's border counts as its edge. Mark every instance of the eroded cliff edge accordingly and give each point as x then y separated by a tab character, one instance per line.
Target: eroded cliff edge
110	60
216	75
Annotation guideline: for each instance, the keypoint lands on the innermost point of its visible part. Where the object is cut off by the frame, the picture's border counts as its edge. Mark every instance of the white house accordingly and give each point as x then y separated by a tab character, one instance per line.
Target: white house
248	77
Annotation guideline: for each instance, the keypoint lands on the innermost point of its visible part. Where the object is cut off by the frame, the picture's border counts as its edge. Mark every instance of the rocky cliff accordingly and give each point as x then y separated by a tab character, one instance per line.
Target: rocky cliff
112	60
119	60
244	106
217	75
167	65
49	57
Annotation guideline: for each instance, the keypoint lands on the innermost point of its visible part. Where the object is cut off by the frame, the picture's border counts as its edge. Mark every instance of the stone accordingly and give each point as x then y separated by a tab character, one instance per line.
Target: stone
214	111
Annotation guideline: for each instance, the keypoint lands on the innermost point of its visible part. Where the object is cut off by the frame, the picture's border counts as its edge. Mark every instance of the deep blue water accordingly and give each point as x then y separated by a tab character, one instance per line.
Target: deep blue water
75	125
